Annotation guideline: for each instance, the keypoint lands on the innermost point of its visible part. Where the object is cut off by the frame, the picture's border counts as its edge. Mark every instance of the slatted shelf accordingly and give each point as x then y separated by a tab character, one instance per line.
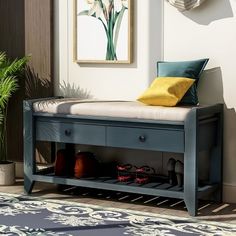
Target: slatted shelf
108	183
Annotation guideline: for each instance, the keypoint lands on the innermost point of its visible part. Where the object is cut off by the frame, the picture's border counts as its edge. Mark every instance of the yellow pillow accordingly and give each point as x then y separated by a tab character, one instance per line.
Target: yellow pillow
166	91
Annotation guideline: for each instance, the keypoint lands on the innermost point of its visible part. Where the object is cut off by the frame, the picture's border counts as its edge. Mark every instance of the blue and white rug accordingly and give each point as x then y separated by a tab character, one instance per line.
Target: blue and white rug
23	215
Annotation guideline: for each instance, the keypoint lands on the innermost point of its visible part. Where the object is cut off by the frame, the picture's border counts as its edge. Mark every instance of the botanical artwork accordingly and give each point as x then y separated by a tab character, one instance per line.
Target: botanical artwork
102	31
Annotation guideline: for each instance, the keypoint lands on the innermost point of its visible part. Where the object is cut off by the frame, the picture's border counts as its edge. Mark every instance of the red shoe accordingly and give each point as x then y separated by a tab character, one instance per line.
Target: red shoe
143	174
124	172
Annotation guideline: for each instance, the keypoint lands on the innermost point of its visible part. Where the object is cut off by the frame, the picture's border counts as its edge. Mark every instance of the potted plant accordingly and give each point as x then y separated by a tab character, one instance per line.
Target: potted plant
10	73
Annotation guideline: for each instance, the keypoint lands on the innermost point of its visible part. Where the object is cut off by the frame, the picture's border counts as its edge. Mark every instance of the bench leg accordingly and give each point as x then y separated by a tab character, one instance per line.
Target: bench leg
29	148
190	183
28	185
191	164
216	163
216	173
28	172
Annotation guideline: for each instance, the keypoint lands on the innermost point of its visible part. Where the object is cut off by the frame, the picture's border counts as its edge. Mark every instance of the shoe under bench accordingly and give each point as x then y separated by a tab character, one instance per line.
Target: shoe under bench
201	130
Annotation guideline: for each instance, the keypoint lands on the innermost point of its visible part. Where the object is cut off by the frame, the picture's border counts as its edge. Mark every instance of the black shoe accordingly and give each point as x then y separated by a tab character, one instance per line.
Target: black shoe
179	171
171	171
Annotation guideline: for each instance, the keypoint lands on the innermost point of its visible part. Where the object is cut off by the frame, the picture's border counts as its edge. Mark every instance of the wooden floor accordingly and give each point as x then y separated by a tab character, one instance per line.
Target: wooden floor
224	212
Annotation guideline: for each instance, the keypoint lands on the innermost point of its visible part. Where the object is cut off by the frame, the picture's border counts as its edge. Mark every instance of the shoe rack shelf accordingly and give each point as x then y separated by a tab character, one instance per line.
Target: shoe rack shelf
202	130
107	183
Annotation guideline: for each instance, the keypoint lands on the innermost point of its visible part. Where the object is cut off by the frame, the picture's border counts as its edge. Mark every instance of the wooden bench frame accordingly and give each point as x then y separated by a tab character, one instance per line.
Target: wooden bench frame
202	130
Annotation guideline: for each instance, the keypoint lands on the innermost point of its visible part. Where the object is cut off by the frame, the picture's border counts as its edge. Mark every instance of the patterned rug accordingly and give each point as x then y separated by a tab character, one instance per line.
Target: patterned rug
23	215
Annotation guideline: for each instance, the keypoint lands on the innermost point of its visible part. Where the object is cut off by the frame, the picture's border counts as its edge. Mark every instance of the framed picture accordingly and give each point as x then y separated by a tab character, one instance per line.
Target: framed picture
102	31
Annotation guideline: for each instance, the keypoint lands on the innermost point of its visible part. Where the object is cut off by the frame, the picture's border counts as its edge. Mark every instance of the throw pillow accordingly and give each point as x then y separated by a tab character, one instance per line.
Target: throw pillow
188	69
166	91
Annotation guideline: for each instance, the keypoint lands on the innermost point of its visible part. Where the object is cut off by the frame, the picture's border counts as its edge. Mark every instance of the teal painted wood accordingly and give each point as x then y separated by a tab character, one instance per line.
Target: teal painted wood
208	134
111	120
148	189
75	132
191	162
209	110
207	190
146	139
110	186
29	147
216	161
196	133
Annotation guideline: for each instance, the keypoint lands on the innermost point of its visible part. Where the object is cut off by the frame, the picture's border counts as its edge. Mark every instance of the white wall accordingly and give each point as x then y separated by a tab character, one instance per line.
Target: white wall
113	81
210	31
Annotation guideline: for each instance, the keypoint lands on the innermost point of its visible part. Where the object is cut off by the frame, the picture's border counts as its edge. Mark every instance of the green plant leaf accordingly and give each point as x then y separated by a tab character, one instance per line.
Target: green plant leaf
8	86
1	117
14	68
10	72
2	57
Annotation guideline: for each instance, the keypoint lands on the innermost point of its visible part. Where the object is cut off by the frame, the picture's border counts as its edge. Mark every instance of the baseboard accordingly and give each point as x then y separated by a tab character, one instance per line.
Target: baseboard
19	169
229	193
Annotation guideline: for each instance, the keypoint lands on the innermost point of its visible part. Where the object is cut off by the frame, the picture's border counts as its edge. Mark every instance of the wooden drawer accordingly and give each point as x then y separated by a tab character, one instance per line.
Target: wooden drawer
147	139
70	133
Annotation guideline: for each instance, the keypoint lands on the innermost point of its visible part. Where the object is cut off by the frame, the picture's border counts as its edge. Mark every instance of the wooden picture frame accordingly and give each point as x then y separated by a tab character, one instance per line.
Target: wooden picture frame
103	31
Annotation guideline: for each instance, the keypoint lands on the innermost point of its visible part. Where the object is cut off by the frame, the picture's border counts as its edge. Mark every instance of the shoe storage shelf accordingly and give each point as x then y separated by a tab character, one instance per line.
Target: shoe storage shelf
201	130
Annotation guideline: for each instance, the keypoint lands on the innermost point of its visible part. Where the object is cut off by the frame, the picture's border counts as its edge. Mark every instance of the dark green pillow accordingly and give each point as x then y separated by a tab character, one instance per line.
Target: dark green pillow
189	69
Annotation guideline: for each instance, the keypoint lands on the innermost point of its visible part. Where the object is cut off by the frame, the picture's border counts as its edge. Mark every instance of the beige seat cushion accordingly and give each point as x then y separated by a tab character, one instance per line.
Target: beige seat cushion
121	109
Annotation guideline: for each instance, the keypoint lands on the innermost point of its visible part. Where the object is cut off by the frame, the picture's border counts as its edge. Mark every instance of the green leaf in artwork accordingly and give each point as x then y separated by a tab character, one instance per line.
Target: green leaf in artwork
83	13
118	24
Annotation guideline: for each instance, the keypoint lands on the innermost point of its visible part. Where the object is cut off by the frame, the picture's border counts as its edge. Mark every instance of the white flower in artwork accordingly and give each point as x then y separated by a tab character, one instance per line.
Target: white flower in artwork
118	4
125	3
106	4
90	1
96	8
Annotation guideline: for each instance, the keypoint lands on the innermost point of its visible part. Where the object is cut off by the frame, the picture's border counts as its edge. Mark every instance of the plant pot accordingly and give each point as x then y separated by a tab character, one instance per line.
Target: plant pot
7	173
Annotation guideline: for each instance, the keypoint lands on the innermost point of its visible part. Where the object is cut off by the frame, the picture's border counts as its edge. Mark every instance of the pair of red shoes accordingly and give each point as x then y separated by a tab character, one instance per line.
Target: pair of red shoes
128	172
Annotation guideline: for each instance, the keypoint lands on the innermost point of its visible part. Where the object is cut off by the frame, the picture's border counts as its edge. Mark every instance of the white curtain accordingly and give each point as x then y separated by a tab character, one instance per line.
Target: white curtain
185	5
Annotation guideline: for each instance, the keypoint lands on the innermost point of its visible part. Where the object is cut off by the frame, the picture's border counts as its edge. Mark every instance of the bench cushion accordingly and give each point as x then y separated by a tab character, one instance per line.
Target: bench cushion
121	109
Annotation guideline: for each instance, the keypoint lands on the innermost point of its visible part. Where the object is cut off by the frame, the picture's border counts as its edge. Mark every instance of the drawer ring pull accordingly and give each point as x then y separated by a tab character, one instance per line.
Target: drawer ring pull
67	132
142	138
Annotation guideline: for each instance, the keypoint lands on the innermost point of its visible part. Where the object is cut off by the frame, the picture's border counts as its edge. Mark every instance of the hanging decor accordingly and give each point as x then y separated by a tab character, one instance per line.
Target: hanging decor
185	5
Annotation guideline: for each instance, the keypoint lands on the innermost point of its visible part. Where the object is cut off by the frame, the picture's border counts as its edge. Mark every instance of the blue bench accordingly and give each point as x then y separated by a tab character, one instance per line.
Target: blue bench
201	129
